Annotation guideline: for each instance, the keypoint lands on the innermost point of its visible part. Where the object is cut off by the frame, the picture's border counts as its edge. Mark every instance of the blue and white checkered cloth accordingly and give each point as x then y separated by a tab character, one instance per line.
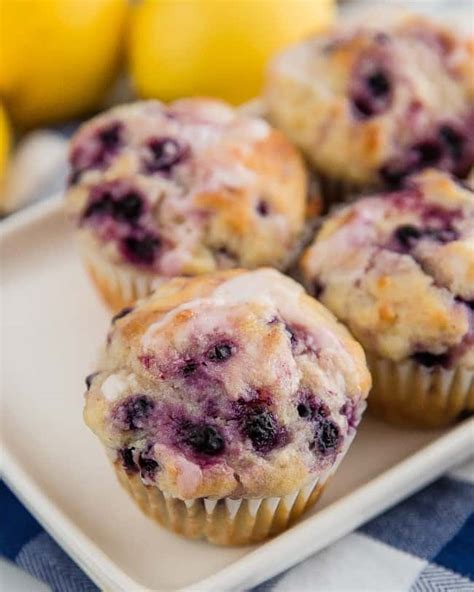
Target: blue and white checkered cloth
425	544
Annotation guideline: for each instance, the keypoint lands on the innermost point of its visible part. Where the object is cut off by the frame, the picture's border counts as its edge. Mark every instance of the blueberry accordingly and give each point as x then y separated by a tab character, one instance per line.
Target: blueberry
141	250
363	106
95	151
442	235
327	436
135	412
128	461
204	439
322	410
326	433
112	201
103	206
453	141
165	153
430	360
351	410
148	466
129	208
304	410
122	313
393	174
372	93
262	208
110	136
220	352
428	153
449	150
90	378
379	83
189	368
310	407
407	234
261	427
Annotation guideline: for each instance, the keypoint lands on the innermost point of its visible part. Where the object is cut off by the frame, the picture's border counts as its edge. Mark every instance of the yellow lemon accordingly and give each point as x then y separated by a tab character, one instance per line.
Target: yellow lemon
57	57
214	47
4	140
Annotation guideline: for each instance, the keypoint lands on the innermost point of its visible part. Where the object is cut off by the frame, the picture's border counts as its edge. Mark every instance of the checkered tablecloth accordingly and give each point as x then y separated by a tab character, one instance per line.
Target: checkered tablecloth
425	544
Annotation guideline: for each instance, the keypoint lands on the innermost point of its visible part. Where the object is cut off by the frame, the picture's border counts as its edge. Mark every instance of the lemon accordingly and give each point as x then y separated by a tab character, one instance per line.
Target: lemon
214	47
57	57
4	140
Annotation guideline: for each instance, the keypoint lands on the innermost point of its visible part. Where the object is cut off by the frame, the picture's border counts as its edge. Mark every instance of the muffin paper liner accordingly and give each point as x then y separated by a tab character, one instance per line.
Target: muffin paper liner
118	285
407	393
121	285
226	521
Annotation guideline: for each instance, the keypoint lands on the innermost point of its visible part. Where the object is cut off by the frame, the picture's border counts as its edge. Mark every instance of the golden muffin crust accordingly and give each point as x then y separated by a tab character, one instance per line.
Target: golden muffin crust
371	104
186	189
398	269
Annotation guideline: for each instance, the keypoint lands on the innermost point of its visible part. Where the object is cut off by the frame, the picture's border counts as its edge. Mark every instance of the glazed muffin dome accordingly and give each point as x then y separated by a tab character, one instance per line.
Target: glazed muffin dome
373	105
398	269
187	188
234	384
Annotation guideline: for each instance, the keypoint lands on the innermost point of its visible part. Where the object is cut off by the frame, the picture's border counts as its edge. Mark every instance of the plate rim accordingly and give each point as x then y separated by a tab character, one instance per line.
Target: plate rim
294	545
31	215
89	556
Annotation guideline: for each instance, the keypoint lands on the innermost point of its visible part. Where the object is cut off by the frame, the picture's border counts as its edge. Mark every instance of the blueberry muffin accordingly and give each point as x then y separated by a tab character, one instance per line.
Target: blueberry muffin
372	105
160	191
226	402
398	269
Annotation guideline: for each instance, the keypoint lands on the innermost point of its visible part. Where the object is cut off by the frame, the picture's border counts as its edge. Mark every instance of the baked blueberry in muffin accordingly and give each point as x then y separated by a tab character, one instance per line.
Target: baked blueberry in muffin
161	191
398	269
371	105
231	390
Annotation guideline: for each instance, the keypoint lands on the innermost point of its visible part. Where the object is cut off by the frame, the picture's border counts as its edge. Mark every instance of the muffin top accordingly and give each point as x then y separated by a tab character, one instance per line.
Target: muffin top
398	269
187	188
372	105
234	384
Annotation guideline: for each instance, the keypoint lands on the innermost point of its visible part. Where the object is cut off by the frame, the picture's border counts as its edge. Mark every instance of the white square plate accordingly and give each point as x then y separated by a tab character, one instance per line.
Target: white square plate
52	324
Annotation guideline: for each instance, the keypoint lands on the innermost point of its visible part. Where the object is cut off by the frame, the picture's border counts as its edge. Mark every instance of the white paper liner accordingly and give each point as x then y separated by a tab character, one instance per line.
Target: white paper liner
407	393
119	285
227	521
